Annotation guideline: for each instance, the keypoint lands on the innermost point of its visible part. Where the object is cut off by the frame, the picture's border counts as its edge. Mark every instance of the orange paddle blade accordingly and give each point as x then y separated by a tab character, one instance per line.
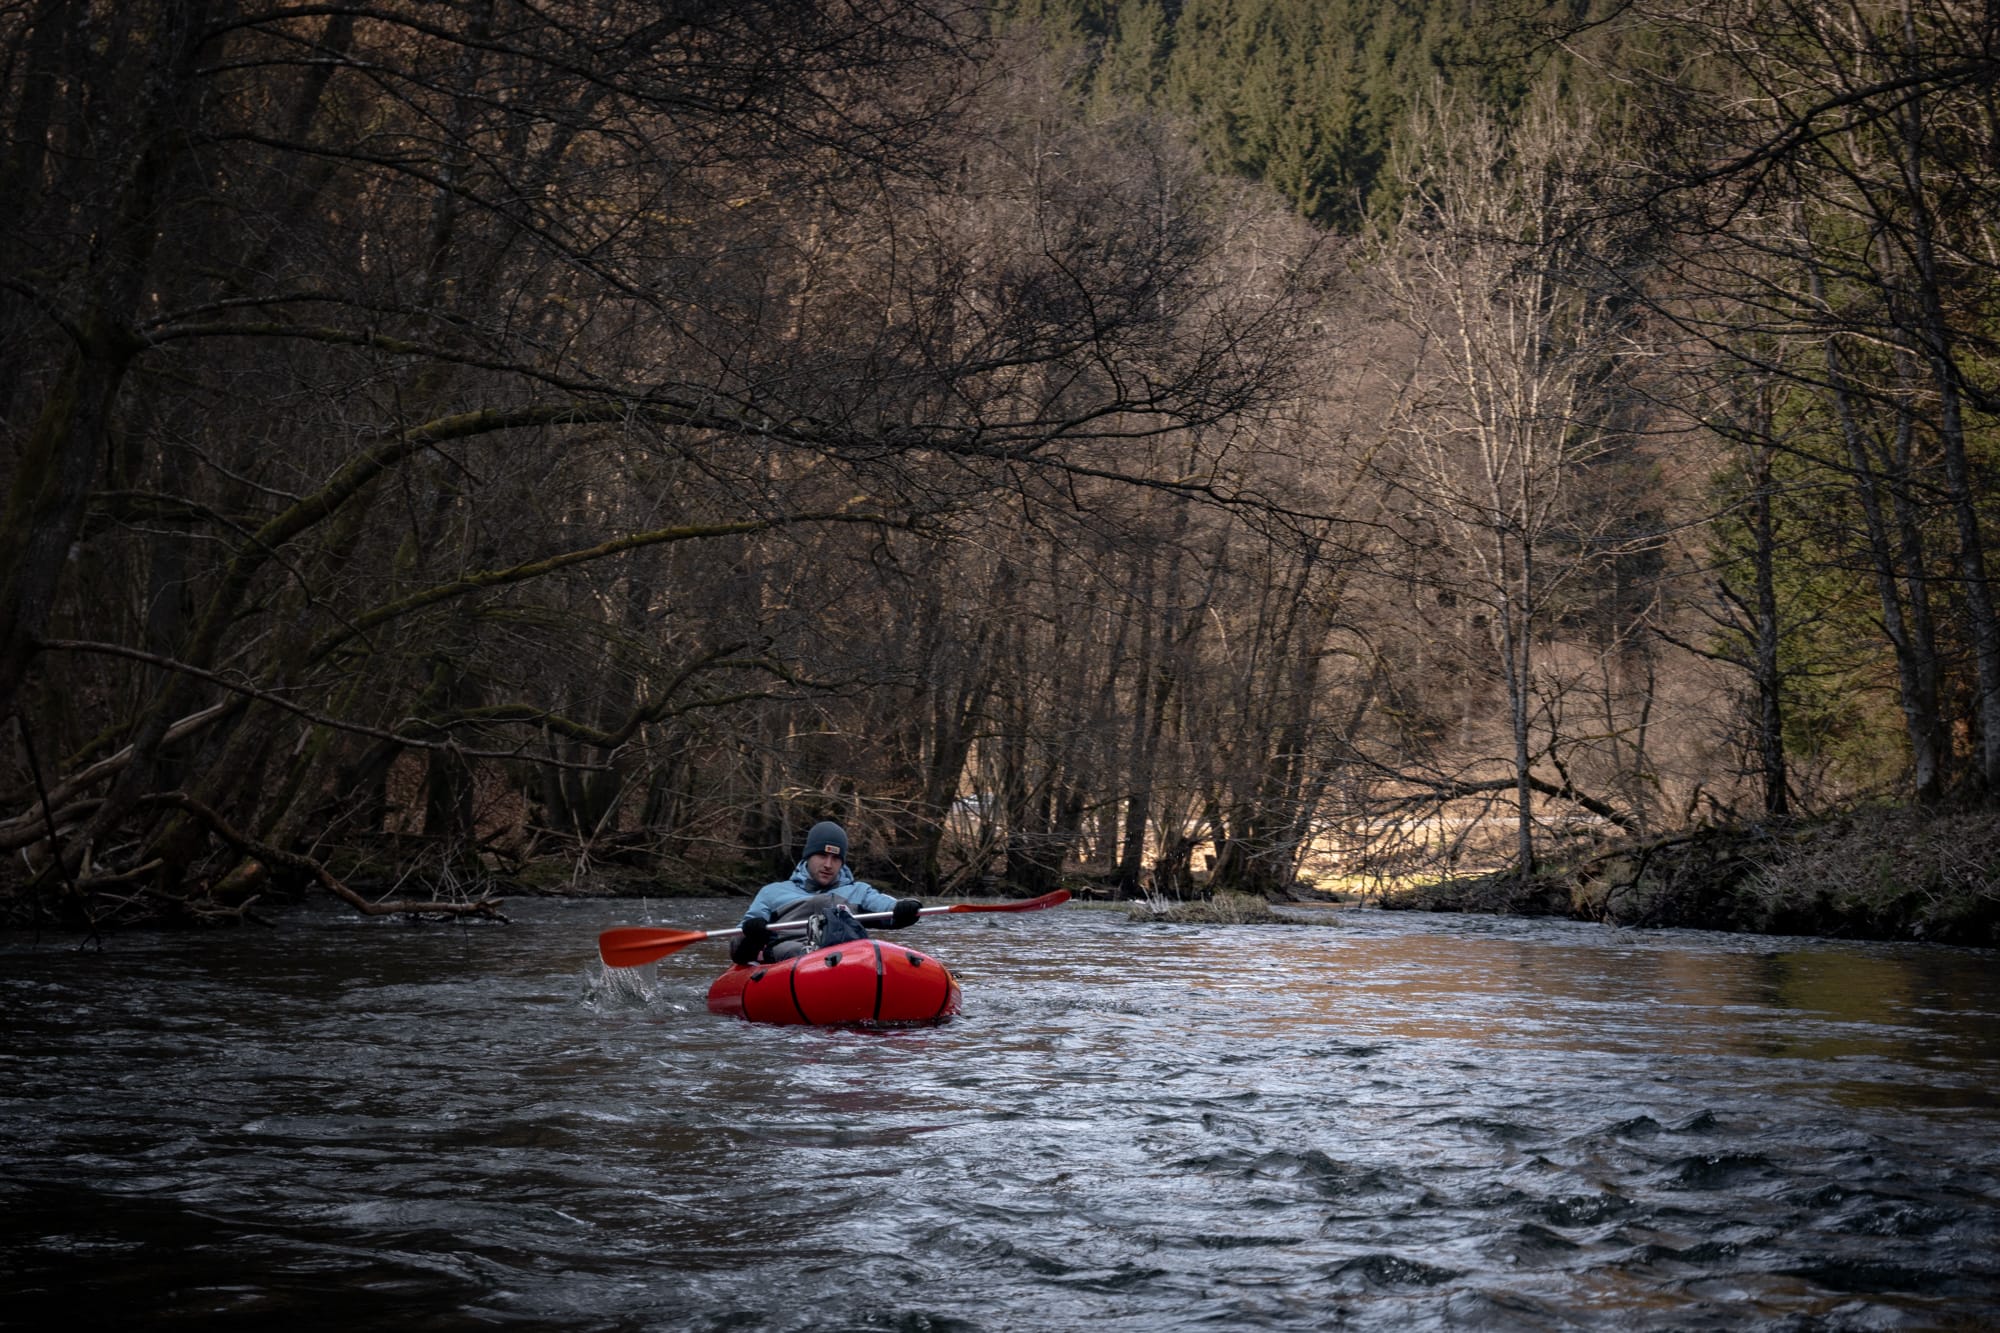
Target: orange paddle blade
630	946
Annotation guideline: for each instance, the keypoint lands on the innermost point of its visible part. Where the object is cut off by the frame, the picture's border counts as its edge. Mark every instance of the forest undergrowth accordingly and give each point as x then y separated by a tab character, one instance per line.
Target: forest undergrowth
1878	872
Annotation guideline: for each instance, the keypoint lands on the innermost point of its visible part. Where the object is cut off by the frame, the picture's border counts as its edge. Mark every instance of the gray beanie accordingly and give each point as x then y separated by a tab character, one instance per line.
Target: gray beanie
827	836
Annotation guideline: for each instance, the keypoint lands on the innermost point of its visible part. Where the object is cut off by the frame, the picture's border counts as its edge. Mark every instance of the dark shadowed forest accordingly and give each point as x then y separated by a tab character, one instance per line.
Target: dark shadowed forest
1266	446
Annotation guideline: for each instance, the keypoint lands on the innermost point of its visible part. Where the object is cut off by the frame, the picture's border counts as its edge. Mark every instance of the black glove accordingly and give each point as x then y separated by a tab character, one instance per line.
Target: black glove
905	914
756	931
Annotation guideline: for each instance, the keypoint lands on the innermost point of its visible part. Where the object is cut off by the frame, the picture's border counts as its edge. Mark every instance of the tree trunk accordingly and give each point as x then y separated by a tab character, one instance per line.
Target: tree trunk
1769	679
1916	656
44	510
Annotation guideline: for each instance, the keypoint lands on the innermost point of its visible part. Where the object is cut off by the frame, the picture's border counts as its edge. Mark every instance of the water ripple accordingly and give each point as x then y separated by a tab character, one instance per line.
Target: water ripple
1387	1121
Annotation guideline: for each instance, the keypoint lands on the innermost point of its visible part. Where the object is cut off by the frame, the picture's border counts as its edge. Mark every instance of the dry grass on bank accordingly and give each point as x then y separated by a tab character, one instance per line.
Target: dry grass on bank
1224	909
1894	873
1878	873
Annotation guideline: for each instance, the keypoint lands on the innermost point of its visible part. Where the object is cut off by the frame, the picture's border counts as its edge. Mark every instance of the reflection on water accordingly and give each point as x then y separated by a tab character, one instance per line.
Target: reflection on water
1381	1120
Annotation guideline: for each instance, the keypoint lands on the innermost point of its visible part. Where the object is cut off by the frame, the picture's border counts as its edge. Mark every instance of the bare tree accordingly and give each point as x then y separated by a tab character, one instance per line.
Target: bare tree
380	368
1510	412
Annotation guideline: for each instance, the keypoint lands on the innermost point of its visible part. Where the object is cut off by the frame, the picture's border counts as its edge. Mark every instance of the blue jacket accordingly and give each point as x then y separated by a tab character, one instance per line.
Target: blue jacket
775	898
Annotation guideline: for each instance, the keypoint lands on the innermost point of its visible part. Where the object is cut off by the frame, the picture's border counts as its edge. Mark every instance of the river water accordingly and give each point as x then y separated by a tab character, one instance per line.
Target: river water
1374	1120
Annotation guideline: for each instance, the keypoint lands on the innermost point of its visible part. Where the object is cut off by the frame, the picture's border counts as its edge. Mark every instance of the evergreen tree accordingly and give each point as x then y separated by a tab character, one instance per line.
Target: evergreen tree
1310	96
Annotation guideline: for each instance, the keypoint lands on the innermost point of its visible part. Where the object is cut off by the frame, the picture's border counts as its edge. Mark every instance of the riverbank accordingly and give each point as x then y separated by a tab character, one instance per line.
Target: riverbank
1877	874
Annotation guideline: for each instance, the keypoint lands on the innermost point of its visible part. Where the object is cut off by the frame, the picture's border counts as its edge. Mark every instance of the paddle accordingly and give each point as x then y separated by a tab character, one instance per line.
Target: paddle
629	946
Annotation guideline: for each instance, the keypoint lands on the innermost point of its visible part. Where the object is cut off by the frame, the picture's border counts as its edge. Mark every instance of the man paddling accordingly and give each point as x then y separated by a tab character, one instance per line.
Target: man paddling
822	886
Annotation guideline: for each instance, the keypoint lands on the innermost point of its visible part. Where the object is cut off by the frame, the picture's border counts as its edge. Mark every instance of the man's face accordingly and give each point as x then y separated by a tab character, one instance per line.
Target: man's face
824	867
